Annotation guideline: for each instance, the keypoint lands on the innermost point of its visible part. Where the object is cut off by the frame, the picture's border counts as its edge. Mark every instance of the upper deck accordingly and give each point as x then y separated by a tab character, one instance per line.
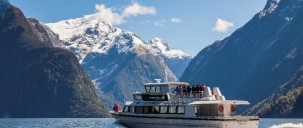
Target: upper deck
181	98
177	90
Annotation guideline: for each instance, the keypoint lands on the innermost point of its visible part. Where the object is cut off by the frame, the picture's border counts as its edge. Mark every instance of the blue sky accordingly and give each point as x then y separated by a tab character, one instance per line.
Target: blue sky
189	25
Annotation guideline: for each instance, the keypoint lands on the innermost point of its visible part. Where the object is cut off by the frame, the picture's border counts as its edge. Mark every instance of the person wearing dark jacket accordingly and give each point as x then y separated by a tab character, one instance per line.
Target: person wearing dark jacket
194	90
188	89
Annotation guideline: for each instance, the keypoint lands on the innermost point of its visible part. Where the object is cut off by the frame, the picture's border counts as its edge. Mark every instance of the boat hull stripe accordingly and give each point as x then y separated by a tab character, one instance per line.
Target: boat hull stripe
184	118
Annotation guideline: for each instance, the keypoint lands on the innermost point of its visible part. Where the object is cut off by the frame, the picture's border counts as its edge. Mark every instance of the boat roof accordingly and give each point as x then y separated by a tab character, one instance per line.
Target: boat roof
236	102
167	83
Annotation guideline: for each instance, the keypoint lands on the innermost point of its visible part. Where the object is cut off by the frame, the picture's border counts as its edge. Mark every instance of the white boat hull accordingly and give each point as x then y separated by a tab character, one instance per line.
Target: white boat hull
153	122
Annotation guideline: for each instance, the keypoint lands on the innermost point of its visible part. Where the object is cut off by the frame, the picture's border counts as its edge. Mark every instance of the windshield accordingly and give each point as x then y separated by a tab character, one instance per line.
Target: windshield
153	89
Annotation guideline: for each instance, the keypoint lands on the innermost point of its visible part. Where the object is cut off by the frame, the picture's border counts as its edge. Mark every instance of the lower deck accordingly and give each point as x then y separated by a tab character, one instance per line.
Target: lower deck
154	121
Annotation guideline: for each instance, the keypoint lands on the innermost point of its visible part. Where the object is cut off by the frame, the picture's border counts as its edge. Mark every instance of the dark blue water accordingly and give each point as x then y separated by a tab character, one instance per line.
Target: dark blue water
111	123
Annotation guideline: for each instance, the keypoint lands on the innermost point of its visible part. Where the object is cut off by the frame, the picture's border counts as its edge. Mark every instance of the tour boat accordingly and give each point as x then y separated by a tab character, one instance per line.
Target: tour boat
180	105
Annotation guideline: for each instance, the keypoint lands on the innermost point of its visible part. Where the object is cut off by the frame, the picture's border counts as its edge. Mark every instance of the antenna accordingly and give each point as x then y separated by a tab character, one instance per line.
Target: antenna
165	70
158	80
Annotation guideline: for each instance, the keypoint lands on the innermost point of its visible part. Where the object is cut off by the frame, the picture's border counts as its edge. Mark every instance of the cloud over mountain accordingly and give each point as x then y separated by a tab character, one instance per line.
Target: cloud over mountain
115	18
222	26
107	14
136	9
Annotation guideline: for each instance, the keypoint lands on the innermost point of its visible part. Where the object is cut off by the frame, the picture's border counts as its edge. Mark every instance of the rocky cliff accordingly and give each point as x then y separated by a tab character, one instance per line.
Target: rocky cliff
254	61
38	80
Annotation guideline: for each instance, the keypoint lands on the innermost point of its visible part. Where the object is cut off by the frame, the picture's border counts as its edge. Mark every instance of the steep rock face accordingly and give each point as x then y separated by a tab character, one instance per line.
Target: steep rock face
38	80
119	61
45	34
286	102
257	58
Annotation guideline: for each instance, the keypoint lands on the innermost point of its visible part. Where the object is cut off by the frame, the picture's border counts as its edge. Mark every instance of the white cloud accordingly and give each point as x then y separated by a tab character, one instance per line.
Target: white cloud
222	26
136	9
108	15
114	18
175	20
158	24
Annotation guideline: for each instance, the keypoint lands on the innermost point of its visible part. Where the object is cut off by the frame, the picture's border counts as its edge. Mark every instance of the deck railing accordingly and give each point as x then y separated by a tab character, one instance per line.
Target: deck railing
229	117
181	95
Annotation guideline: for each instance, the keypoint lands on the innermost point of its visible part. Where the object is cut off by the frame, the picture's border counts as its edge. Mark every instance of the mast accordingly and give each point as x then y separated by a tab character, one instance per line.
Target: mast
165	70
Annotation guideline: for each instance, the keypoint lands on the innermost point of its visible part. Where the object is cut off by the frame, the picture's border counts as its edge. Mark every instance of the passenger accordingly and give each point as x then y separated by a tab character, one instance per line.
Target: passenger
184	91
194	91
188	90
116	107
199	90
177	90
203	89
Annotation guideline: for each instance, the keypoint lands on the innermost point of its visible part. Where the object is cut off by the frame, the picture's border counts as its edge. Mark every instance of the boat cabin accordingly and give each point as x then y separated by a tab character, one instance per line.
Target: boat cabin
177	103
158	91
182	98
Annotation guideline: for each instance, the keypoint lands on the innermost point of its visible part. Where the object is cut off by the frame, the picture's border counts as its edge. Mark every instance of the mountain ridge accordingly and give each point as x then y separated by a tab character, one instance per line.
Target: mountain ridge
38	80
257	58
98	36
110	56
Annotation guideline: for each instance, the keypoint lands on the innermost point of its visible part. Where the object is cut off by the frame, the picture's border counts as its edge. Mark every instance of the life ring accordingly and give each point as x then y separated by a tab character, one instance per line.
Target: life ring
221	108
233	108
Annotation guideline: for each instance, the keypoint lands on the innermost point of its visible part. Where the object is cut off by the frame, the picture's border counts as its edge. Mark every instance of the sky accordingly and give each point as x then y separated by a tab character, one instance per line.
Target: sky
188	25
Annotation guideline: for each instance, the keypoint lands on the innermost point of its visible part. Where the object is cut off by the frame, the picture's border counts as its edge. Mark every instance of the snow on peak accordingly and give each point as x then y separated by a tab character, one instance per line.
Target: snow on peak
162	47
86	34
287	8
269	8
67	29
161	44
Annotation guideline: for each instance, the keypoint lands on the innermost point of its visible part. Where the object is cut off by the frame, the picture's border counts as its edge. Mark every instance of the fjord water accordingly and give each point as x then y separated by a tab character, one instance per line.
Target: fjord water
111	123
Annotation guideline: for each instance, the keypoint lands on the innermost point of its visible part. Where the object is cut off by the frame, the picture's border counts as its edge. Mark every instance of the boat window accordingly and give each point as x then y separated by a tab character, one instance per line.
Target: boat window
146	110
147	89
139	109
181	109
126	109
172	109
163	109
152	89
131	109
137	97
158	89
172	88
155	109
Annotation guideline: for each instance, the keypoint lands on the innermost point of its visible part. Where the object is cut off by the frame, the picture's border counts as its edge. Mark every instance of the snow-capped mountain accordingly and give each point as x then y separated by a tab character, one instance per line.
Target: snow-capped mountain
119	61
176	60
84	35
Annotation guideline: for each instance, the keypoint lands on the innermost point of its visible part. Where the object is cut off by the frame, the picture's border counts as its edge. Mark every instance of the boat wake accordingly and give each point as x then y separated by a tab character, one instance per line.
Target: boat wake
288	125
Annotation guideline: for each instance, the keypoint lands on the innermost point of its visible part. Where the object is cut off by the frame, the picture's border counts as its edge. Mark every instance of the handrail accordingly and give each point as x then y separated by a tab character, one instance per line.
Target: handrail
229	117
198	94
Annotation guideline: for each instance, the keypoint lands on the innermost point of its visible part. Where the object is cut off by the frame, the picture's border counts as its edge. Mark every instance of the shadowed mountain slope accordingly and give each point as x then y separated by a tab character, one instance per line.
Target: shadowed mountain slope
38	80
